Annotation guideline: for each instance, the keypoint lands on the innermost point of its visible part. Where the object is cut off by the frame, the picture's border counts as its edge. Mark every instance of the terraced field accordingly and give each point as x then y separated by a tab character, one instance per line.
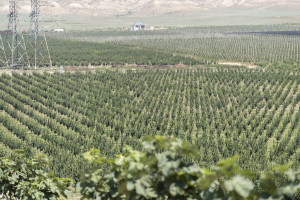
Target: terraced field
225	112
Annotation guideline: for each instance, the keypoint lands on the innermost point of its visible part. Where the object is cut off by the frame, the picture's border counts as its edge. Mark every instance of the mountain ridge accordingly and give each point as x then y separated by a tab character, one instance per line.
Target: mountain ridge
146	7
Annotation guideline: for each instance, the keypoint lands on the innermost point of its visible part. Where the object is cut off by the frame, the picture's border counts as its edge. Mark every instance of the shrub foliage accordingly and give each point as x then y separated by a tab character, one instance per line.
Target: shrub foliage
23	178
164	171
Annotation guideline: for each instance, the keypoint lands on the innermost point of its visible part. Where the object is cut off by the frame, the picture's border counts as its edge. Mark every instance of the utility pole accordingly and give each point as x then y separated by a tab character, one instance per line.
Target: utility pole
15	39
36	36
3	57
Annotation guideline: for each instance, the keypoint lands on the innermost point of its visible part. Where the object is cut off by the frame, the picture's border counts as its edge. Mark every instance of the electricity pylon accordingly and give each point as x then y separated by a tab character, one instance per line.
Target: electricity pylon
14	37
36	36
3	57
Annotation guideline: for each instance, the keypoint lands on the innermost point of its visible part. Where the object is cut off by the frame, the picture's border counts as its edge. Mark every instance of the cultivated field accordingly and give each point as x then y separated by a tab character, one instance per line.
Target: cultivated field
111	113
277	46
225	112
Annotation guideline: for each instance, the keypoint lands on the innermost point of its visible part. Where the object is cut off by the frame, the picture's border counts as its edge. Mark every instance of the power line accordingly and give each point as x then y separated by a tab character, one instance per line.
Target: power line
14	38
3	57
36	36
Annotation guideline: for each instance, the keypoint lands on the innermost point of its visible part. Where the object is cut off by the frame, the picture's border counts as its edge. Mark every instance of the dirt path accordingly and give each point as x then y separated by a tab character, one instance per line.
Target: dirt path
20	71
239	64
49	70
71	69
52	70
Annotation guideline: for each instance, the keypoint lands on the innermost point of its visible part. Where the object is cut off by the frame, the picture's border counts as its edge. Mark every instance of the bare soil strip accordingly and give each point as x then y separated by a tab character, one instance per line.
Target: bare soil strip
52	70
239	64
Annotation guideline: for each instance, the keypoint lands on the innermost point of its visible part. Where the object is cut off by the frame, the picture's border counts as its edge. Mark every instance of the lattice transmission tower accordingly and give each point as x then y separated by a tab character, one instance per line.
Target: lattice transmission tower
3	57
36	36
16	51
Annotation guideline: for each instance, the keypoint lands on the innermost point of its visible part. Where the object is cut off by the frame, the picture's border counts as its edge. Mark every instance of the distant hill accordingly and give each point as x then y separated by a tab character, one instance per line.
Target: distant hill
146	7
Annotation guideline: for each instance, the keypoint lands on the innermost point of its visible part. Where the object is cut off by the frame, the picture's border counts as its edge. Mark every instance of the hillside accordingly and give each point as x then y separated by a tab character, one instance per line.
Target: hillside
142	7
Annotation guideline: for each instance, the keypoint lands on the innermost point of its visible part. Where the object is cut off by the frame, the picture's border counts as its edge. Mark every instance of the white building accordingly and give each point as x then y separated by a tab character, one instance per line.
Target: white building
138	26
58	30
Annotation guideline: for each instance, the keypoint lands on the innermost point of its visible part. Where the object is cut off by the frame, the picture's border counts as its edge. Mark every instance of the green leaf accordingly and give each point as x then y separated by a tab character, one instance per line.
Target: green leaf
151	193
267	183
239	184
130	185
282	168
149	145
289	190
93	156
140	189
205	182
228	161
291	174
192	169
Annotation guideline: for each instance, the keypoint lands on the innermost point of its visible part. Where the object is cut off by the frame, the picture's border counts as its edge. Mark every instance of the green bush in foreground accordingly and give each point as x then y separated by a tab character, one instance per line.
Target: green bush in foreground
22	178
163	171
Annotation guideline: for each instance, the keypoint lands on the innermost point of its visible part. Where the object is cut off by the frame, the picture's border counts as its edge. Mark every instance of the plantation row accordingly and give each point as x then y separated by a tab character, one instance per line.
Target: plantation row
76	53
242	48
210	44
66	52
187	32
251	113
190	46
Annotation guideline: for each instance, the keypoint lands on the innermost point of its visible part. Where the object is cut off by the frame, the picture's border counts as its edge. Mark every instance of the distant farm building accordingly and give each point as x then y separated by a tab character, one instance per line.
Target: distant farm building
138	26
58	30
